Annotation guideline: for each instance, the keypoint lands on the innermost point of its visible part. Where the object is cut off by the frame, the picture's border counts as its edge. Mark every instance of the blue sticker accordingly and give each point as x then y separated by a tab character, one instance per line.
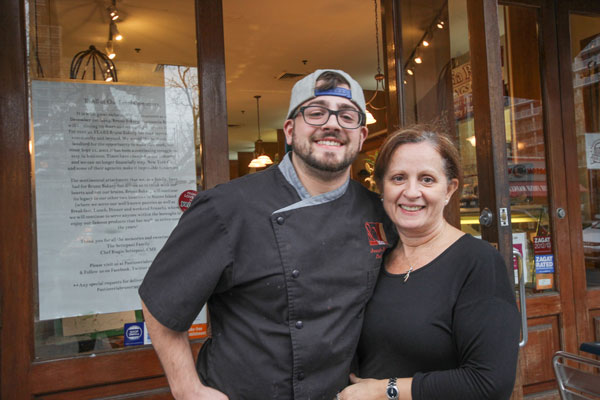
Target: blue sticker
133	334
544	264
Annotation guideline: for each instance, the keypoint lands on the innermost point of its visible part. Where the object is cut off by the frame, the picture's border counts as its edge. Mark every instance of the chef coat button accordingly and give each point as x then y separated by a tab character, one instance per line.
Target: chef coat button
295	273
280	220
299	324
300	376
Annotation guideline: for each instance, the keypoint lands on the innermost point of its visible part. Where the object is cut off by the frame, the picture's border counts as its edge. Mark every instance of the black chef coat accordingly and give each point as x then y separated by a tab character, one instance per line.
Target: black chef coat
286	277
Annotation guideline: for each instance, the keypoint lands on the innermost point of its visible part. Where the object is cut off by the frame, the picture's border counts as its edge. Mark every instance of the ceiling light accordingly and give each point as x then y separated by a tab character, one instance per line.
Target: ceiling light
114	31
370	118
110	52
410	71
256	164
112	11
379	77
262	160
425	43
440	25
418	60
265	159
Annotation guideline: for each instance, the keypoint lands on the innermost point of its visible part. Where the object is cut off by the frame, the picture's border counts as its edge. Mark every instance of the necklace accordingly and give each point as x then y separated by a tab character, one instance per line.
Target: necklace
408	273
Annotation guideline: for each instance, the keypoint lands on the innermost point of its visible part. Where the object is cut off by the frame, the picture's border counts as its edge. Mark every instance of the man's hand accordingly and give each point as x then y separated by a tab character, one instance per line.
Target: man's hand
175	354
205	393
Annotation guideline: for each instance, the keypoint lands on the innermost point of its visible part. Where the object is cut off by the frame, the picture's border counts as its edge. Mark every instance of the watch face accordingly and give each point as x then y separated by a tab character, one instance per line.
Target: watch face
392	392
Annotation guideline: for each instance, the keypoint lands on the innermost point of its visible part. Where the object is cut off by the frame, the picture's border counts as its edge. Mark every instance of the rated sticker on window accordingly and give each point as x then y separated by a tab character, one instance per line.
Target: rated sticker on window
185	199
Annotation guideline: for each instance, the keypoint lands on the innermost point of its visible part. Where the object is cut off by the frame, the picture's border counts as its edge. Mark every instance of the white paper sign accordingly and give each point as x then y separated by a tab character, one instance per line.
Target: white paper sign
110	164
592	150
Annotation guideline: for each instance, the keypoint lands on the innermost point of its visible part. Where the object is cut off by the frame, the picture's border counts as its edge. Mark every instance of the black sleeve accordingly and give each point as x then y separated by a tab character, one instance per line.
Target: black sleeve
190	265
486	330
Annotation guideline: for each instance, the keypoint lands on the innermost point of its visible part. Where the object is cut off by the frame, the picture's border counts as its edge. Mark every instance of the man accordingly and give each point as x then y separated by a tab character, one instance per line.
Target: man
286	260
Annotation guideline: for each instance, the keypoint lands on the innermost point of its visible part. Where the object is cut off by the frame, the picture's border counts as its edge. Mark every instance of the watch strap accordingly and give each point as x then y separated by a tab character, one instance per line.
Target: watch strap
392	390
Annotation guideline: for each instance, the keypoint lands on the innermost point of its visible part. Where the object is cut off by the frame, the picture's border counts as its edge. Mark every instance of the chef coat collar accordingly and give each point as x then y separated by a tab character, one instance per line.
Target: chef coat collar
289	172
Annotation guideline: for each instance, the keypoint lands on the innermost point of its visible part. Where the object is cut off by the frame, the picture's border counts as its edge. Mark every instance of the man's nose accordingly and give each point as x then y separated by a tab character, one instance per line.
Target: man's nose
332	122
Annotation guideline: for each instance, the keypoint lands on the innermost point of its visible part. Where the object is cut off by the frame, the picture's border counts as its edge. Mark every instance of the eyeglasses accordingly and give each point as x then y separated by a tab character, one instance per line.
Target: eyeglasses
317	116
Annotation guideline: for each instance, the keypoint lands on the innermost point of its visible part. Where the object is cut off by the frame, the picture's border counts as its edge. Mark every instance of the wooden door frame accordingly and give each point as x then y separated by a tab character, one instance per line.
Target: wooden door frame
125	371
584	299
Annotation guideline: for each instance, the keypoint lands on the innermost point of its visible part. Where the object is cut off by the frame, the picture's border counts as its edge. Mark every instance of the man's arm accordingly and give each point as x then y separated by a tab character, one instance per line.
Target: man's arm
175	354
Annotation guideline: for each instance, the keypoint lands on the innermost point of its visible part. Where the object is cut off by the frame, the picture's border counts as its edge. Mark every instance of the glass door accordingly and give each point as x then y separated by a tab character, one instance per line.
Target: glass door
579	52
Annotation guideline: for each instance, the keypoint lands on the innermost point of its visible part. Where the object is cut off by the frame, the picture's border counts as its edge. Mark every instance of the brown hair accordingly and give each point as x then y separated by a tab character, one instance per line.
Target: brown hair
330	80
417	134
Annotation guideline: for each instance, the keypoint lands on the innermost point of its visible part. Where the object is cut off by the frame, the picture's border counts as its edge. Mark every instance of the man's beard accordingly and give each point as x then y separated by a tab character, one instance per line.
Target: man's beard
328	163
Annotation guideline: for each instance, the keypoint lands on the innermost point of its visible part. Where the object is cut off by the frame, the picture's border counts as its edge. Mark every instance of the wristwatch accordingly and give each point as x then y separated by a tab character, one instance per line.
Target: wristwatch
392	389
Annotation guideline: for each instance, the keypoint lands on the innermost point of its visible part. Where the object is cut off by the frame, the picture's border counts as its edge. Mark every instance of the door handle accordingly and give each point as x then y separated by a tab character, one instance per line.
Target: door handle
486	217
522	299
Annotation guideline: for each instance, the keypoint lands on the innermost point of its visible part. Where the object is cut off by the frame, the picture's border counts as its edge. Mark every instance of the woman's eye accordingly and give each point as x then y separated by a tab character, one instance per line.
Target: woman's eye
397	178
428	179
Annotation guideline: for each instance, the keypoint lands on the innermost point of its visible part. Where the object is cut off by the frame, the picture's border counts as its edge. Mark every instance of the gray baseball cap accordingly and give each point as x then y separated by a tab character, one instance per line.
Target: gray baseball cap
305	90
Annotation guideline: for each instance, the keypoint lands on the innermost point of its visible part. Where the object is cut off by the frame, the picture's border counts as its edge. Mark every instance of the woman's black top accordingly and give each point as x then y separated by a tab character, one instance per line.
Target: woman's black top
453	326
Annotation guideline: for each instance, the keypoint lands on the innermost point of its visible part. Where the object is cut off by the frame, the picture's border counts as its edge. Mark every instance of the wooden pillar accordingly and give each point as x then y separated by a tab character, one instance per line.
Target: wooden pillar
393	68
213	99
16	247
488	108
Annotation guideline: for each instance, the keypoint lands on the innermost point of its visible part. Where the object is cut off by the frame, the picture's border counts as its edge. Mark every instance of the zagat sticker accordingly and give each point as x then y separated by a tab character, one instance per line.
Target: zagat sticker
185	199
133	334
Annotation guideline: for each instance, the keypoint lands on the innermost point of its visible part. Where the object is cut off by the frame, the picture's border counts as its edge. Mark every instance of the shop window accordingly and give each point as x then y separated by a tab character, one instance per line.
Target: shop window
115	150
437	87
585	52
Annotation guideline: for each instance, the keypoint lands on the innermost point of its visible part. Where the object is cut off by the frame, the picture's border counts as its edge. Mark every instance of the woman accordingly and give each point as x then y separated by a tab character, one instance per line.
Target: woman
443	322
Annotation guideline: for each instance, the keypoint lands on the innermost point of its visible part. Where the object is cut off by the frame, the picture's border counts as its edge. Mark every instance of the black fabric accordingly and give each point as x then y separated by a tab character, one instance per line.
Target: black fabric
453	326
285	291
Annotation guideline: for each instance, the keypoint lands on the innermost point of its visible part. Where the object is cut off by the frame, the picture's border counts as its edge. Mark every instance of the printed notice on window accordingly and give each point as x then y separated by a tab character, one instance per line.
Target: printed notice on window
111	162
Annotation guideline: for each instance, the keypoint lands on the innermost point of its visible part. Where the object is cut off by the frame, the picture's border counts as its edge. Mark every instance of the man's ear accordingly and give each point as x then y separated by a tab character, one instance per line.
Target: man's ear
288	130
364	132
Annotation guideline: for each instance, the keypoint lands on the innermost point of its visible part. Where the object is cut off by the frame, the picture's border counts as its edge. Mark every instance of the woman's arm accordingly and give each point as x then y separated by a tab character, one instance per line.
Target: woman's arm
374	389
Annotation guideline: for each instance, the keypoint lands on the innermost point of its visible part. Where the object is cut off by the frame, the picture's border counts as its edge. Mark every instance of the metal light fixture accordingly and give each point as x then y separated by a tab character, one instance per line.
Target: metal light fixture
114	31
110	51
94	62
379	77
262	160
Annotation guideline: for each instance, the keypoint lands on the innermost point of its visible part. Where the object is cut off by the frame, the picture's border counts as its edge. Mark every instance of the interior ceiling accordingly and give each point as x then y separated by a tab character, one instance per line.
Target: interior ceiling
263	40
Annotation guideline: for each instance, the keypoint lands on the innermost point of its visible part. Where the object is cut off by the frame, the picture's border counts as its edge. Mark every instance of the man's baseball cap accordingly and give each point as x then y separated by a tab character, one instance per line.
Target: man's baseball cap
305	89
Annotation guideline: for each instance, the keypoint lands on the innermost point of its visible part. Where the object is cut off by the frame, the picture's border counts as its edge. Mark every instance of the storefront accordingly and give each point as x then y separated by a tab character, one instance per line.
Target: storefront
96	170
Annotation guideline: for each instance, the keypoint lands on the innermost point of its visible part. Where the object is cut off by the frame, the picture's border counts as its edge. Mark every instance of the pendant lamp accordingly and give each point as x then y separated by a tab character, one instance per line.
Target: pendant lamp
262	160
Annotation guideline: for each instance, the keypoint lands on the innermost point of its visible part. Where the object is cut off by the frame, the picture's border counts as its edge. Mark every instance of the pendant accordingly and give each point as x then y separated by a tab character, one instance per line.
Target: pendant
408	274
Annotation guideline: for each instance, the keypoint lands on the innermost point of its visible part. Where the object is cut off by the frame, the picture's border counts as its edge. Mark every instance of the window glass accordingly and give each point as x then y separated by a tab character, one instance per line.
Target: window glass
115	150
437	86
525	146
585	52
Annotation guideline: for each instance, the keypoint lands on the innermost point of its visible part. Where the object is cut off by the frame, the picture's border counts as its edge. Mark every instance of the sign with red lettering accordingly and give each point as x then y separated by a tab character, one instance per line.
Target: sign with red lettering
542	245
185	199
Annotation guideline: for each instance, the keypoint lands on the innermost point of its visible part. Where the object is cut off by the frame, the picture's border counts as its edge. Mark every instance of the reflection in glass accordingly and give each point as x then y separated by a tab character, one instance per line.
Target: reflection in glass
525	145
115	163
585	52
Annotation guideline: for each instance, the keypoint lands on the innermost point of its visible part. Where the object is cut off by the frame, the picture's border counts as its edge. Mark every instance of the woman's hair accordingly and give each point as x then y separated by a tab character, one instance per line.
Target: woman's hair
417	134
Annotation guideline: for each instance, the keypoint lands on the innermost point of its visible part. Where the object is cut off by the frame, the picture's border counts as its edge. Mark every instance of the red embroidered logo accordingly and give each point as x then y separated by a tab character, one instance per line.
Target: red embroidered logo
375	233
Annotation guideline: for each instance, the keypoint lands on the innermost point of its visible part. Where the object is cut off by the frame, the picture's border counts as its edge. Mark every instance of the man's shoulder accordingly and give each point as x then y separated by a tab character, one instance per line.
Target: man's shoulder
361	193
248	183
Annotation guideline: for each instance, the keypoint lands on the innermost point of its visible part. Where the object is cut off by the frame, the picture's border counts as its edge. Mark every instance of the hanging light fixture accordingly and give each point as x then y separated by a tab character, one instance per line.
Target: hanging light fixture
262	160
110	51
112	11
114	31
96	63
379	77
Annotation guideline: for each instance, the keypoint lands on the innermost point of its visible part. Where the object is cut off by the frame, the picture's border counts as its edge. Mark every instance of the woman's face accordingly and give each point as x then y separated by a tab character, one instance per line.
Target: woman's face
415	189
